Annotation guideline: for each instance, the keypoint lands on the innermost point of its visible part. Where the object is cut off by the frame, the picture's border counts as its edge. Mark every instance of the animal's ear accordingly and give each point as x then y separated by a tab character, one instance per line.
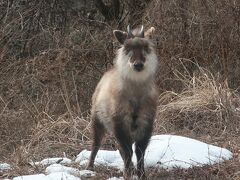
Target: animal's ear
149	33
121	36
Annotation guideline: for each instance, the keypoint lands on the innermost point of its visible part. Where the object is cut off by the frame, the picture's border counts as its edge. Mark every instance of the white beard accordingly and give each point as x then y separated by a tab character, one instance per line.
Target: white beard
125	68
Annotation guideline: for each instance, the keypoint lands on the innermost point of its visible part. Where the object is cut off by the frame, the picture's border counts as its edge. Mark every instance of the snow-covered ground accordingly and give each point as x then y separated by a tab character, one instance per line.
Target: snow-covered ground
59	172
164	151
50	161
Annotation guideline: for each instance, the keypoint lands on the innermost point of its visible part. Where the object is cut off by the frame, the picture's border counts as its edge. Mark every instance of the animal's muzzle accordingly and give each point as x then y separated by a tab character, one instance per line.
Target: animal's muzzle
138	66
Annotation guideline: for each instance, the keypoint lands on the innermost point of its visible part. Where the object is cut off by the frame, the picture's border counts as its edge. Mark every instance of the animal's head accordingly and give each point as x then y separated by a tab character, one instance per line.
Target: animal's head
136	58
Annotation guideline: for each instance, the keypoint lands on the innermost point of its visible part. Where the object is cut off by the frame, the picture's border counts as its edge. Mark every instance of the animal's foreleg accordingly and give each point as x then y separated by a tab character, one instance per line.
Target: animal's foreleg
140	147
125	142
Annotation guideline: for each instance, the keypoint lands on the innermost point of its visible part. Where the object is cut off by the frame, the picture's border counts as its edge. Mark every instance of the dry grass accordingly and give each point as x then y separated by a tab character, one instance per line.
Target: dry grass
205	106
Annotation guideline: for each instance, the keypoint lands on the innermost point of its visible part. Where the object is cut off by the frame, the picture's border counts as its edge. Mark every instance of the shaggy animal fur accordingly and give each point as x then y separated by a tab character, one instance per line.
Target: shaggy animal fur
124	102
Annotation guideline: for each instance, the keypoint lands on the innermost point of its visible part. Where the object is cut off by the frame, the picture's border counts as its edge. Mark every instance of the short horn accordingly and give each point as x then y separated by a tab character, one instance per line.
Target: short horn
129	32
141	32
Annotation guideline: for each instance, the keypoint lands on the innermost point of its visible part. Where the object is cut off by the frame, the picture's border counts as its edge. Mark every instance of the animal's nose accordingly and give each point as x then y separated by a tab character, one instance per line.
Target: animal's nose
138	66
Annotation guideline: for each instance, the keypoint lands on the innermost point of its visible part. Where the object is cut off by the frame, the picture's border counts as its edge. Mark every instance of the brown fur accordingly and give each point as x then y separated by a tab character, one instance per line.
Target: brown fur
126	109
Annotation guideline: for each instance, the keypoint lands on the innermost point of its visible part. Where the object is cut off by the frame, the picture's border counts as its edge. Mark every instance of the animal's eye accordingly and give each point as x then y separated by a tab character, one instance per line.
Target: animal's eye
147	49
127	49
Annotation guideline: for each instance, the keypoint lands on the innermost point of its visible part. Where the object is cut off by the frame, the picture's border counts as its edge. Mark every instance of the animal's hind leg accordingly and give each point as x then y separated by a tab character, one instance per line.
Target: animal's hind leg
98	134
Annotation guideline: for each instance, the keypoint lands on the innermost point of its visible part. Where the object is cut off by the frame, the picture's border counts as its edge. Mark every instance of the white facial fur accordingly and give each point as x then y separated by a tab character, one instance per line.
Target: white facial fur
127	72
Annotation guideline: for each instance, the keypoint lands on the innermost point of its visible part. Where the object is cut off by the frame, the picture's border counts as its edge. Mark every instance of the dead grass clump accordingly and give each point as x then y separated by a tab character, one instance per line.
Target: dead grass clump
15	128
205	106
61	136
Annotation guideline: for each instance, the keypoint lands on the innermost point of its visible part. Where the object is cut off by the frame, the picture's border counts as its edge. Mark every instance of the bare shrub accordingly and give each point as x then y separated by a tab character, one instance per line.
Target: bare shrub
207	32
29	26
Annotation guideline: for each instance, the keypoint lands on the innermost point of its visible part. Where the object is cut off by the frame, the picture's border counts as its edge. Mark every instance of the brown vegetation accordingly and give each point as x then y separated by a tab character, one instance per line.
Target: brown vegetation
53	54
205	106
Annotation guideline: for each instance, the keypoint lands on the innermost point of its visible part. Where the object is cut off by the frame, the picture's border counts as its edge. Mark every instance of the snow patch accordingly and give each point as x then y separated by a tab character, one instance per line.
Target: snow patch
31	177
62	176
59	172
115	178
69	170
52	176
4	166
87	173
103	158
165	151
60	168
49	161
121	178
